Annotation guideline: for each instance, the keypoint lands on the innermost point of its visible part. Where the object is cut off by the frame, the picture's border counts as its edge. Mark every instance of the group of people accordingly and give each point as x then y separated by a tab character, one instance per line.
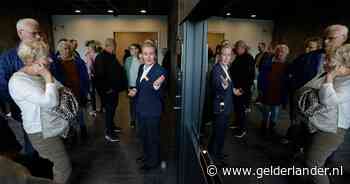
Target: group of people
31	78
323	67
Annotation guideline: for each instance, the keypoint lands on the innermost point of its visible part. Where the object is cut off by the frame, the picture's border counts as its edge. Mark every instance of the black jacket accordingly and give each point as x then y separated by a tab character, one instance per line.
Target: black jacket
242	71
109	74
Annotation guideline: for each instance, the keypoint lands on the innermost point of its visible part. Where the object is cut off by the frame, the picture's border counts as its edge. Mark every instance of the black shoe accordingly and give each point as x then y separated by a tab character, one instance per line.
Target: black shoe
147	168
241	134
112	138
140	159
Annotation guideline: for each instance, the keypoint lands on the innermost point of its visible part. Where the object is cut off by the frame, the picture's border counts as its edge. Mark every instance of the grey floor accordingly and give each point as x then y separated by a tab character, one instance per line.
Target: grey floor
96	161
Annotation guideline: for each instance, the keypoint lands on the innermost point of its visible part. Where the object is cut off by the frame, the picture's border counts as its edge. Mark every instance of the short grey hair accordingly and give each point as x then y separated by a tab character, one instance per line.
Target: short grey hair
32	50
339	28
110	42
341	57
21	23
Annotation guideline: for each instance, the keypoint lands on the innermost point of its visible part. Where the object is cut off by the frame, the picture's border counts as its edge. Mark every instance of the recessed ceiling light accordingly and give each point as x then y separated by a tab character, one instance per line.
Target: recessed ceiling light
143	11
110	11
253	16
228	14
77	11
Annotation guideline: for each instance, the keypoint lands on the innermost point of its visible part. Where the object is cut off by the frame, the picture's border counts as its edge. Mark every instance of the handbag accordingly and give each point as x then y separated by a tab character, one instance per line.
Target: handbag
58	120
310	110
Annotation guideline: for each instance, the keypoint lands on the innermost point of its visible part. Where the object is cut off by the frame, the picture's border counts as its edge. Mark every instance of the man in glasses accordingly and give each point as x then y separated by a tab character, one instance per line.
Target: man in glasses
27	30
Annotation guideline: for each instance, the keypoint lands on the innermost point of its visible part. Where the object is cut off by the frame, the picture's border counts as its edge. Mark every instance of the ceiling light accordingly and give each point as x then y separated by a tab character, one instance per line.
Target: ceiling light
228	14
253	16
77	11
143	11
110	11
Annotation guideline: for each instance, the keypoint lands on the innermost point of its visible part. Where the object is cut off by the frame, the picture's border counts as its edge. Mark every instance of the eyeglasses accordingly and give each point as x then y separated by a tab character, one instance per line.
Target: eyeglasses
33	33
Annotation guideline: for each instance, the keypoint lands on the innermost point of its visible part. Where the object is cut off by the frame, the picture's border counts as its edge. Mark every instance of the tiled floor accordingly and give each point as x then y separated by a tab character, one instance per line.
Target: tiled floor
97	161
257	151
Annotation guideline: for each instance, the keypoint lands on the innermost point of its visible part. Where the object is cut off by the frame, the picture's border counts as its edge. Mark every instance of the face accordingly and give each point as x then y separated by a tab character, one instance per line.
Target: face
30	32
134	51
280	54
148	55
261	47
311	46
226	56
74	44
240	50
333	40
65	51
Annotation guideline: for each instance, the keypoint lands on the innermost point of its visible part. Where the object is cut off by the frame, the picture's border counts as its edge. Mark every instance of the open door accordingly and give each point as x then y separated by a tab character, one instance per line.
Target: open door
124	39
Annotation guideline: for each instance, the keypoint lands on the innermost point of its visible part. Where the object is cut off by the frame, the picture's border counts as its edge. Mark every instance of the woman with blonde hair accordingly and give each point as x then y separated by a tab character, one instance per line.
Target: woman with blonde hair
334	94
35	91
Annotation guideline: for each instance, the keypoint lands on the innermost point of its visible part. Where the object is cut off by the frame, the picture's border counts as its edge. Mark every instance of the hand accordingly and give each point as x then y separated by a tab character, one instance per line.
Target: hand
338	70
159	81
224	80
132	92
237	92
41	70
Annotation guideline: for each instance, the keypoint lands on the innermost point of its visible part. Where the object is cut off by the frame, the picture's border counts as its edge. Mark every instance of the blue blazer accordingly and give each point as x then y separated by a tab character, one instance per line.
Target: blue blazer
148	101
221	94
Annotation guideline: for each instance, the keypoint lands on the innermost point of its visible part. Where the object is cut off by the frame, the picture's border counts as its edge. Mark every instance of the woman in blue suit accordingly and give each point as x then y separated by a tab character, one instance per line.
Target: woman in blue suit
223	91
149	104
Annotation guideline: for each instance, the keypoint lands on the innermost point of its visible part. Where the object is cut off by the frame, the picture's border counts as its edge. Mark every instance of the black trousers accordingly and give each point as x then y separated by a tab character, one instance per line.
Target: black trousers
111	103
149	128
217	139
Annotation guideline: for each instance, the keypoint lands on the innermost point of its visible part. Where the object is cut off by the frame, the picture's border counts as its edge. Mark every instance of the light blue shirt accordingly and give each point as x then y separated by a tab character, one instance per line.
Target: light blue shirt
134	69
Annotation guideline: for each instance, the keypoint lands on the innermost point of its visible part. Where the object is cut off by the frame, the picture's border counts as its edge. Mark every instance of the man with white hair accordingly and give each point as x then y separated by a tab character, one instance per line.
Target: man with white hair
307	66
27	29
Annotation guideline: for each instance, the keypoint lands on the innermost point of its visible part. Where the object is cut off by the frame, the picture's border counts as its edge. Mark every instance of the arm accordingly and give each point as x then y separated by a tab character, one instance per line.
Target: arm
24	91
331	97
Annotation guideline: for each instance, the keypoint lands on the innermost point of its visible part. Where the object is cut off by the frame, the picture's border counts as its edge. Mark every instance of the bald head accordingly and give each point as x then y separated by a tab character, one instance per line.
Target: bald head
335	36
28	29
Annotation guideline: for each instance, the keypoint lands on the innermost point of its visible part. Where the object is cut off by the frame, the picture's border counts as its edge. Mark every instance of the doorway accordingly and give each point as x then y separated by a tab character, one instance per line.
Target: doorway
214	39
124	39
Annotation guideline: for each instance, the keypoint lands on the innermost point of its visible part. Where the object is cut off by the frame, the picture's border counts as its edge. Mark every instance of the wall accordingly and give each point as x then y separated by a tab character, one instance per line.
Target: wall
250	30
9	18
307	27
100	27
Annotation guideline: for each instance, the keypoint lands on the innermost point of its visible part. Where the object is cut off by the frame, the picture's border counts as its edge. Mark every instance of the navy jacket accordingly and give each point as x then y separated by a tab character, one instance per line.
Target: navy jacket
221	94
304	68
149	102
9	64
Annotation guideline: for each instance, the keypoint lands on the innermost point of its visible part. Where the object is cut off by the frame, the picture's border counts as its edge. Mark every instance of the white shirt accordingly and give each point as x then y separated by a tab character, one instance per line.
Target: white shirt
144	75
33	97
225	68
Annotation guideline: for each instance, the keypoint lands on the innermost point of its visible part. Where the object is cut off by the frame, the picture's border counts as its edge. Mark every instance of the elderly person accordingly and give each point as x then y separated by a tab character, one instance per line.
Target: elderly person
148	96
242	72
312	44
90	55
72	73
131	66
334	94
27	30
307	66
109	81
35	91
272	80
